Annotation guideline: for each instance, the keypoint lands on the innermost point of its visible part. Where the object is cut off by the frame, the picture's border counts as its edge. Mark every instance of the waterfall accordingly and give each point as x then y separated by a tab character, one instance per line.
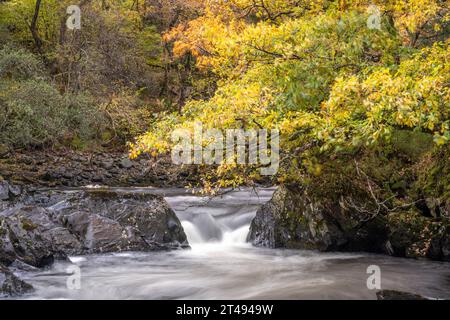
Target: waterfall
220	221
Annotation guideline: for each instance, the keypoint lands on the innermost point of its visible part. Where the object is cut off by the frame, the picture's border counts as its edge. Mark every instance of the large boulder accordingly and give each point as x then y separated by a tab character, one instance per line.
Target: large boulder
11	285
109	221
27	234
413	235
48	226
52	225
292	219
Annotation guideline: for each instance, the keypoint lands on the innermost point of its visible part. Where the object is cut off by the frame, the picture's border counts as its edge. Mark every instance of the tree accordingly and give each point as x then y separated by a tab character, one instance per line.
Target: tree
315	71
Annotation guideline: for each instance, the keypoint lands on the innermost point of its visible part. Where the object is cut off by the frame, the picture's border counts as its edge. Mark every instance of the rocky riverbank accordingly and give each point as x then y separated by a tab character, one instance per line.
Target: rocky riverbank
68	168
38	228
294	219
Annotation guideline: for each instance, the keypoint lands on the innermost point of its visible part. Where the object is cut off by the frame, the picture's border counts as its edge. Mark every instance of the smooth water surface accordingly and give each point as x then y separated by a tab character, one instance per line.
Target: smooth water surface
221	265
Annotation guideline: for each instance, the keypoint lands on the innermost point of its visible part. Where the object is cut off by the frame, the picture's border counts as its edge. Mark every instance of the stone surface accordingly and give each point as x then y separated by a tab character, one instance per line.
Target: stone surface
11	285
77	169
126	163
293	220
51	225
398	295
28	234
4	190
118	221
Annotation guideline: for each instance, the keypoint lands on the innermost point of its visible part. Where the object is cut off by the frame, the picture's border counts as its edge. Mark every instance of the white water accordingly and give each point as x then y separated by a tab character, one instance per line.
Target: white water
221	265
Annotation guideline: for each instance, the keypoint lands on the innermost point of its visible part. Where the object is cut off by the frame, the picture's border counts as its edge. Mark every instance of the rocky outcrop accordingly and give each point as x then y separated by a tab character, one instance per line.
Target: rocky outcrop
48	226
293	219
106	221
54	224
11	285
413	235
28	235
78	169
398	295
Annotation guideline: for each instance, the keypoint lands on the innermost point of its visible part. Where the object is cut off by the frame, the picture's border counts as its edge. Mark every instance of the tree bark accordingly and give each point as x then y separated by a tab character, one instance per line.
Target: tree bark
33	27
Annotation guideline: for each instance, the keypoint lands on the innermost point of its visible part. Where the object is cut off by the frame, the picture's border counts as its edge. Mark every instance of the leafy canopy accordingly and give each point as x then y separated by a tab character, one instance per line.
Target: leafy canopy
314	70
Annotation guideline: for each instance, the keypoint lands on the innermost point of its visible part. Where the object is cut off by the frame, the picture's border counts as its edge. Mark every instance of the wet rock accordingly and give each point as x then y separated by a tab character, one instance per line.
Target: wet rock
439	248
15	190
108	221
293	220
11	285
51	225
29	235
4	190
398	295
438	207
72	168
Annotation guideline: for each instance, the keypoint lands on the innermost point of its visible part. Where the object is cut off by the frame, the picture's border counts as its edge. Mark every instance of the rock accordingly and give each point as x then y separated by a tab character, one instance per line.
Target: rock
68	174
415	236
126	163
19	265
438	207
51	225
293	220
15	190
398	295
439	248
108	221
29	235
287	221
107	164
4	190
11	285
45	168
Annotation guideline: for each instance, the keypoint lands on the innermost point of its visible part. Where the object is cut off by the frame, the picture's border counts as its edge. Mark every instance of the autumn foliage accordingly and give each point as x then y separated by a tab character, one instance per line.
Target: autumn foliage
320	74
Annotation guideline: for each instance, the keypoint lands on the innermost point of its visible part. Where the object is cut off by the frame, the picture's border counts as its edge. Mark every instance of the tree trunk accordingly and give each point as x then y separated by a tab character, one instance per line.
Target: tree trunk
33	27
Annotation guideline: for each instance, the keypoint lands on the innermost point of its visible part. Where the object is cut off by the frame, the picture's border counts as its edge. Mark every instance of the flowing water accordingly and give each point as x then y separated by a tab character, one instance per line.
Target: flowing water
221	265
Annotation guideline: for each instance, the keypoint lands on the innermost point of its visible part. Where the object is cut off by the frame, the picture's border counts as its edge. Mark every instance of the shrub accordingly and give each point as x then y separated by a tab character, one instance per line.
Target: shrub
32	113
19	64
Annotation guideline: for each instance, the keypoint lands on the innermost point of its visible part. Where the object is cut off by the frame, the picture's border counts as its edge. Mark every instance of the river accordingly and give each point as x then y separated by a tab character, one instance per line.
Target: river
221	265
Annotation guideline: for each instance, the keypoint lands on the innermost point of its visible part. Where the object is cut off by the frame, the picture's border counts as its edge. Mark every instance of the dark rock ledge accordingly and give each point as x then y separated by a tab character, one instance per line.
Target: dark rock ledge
37	229
293	219
398	295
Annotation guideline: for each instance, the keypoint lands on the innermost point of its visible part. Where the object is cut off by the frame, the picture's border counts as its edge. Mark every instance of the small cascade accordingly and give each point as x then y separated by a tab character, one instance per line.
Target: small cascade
218	221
